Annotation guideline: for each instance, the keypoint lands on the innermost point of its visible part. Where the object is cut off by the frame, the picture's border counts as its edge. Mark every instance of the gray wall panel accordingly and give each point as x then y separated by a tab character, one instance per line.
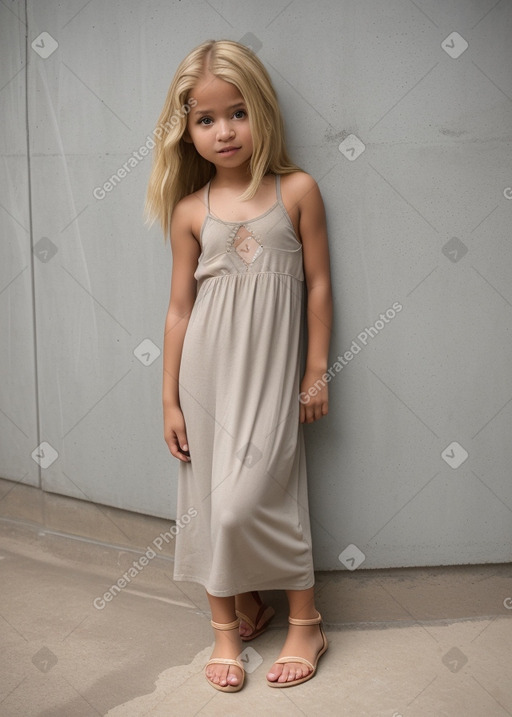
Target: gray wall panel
18	414
420	217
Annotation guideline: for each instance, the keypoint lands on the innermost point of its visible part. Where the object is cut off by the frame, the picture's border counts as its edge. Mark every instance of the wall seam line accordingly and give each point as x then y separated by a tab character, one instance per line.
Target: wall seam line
31	243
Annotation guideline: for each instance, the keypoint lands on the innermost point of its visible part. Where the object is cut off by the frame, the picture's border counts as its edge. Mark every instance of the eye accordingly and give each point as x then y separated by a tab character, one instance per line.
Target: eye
205	121
240	114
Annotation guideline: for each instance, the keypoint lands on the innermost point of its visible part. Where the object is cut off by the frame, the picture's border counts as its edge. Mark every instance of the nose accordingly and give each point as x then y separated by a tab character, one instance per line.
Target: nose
224	129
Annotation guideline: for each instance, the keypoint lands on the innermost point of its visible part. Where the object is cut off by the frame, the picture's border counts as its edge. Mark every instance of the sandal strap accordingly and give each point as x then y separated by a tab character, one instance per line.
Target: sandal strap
253	624
227	625
224	661
310	621
261	610
246	619
293	658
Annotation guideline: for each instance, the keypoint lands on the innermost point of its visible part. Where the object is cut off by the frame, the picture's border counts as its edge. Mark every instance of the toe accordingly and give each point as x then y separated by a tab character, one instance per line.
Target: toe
304	672
217	674
244	629
223	678
233	678
275	673
293	671
285	674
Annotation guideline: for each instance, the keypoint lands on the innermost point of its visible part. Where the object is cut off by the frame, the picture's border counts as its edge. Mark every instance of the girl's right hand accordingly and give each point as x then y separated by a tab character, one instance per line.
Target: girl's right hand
175	433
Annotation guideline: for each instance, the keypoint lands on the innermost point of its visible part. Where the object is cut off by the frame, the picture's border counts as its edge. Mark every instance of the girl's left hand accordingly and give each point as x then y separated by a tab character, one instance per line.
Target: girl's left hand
313	397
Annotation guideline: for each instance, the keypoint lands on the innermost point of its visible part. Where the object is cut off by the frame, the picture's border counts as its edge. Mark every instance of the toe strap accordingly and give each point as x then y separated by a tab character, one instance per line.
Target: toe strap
224	661
265	612
246	619
302	660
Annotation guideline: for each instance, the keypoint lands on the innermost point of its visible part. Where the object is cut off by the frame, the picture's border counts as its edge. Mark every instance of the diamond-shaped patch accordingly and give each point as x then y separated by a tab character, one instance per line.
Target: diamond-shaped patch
246	245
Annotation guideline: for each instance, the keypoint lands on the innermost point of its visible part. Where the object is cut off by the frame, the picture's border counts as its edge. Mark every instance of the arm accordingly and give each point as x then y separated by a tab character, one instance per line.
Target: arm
315	248
185	253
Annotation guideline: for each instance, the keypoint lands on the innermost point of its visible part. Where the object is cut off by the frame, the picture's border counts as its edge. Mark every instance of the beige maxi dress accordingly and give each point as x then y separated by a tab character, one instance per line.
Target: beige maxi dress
239	387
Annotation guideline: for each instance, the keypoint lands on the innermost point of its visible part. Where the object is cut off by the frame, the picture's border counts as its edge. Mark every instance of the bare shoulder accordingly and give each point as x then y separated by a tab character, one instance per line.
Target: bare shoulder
298	180
189	213
186	207
300	187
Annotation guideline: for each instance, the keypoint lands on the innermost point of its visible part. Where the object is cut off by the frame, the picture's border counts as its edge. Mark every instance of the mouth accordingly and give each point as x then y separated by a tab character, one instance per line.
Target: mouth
228	150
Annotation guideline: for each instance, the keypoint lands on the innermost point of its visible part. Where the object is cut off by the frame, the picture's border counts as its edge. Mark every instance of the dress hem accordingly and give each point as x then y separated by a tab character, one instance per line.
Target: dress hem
245	588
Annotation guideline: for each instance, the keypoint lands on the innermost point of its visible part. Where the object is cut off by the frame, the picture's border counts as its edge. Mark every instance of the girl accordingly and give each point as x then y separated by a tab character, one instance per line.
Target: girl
247	230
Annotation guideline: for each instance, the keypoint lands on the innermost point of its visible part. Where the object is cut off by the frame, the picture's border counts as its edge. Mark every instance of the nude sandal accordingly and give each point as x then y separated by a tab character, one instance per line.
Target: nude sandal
293	658
265	613
226	660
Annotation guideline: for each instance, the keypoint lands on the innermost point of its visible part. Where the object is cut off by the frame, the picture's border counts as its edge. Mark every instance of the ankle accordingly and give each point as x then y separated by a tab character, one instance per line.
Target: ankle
227	644
311	616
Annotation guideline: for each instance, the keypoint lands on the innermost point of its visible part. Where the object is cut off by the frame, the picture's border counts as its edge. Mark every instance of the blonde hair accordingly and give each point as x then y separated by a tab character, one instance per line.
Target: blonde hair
178	169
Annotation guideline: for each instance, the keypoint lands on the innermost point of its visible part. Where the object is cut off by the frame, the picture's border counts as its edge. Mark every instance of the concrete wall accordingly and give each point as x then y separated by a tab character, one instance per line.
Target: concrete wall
406	125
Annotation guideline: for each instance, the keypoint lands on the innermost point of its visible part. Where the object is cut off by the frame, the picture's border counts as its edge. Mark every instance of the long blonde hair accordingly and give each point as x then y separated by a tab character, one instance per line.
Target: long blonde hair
178	169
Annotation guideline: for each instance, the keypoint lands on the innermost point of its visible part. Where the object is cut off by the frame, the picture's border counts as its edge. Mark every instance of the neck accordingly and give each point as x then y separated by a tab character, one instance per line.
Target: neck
236	178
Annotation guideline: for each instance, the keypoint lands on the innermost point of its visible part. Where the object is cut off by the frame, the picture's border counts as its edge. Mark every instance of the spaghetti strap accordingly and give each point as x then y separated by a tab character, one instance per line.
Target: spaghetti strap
207	196
278	189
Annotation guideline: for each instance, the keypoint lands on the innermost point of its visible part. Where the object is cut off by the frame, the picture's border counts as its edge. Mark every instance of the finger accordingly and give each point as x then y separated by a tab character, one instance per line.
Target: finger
321	411
174	447
179	455
182	441
316	412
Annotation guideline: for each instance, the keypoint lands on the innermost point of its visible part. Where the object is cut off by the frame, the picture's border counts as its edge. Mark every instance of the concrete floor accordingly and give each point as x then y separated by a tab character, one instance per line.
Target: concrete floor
403	643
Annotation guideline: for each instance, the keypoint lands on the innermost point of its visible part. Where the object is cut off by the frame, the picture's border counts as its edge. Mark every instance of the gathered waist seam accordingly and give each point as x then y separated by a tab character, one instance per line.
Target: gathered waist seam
256	273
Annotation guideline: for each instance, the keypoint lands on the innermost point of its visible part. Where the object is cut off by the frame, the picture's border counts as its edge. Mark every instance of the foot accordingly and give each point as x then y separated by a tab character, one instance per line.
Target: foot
303	641
250	605
227	645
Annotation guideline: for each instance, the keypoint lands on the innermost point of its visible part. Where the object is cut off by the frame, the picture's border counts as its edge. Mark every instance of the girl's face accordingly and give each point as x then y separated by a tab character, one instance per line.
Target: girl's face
218	125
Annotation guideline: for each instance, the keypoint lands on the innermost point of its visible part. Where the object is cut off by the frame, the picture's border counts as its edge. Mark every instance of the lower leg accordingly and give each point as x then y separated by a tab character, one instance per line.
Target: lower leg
302	603
227	642
222	608
302	640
